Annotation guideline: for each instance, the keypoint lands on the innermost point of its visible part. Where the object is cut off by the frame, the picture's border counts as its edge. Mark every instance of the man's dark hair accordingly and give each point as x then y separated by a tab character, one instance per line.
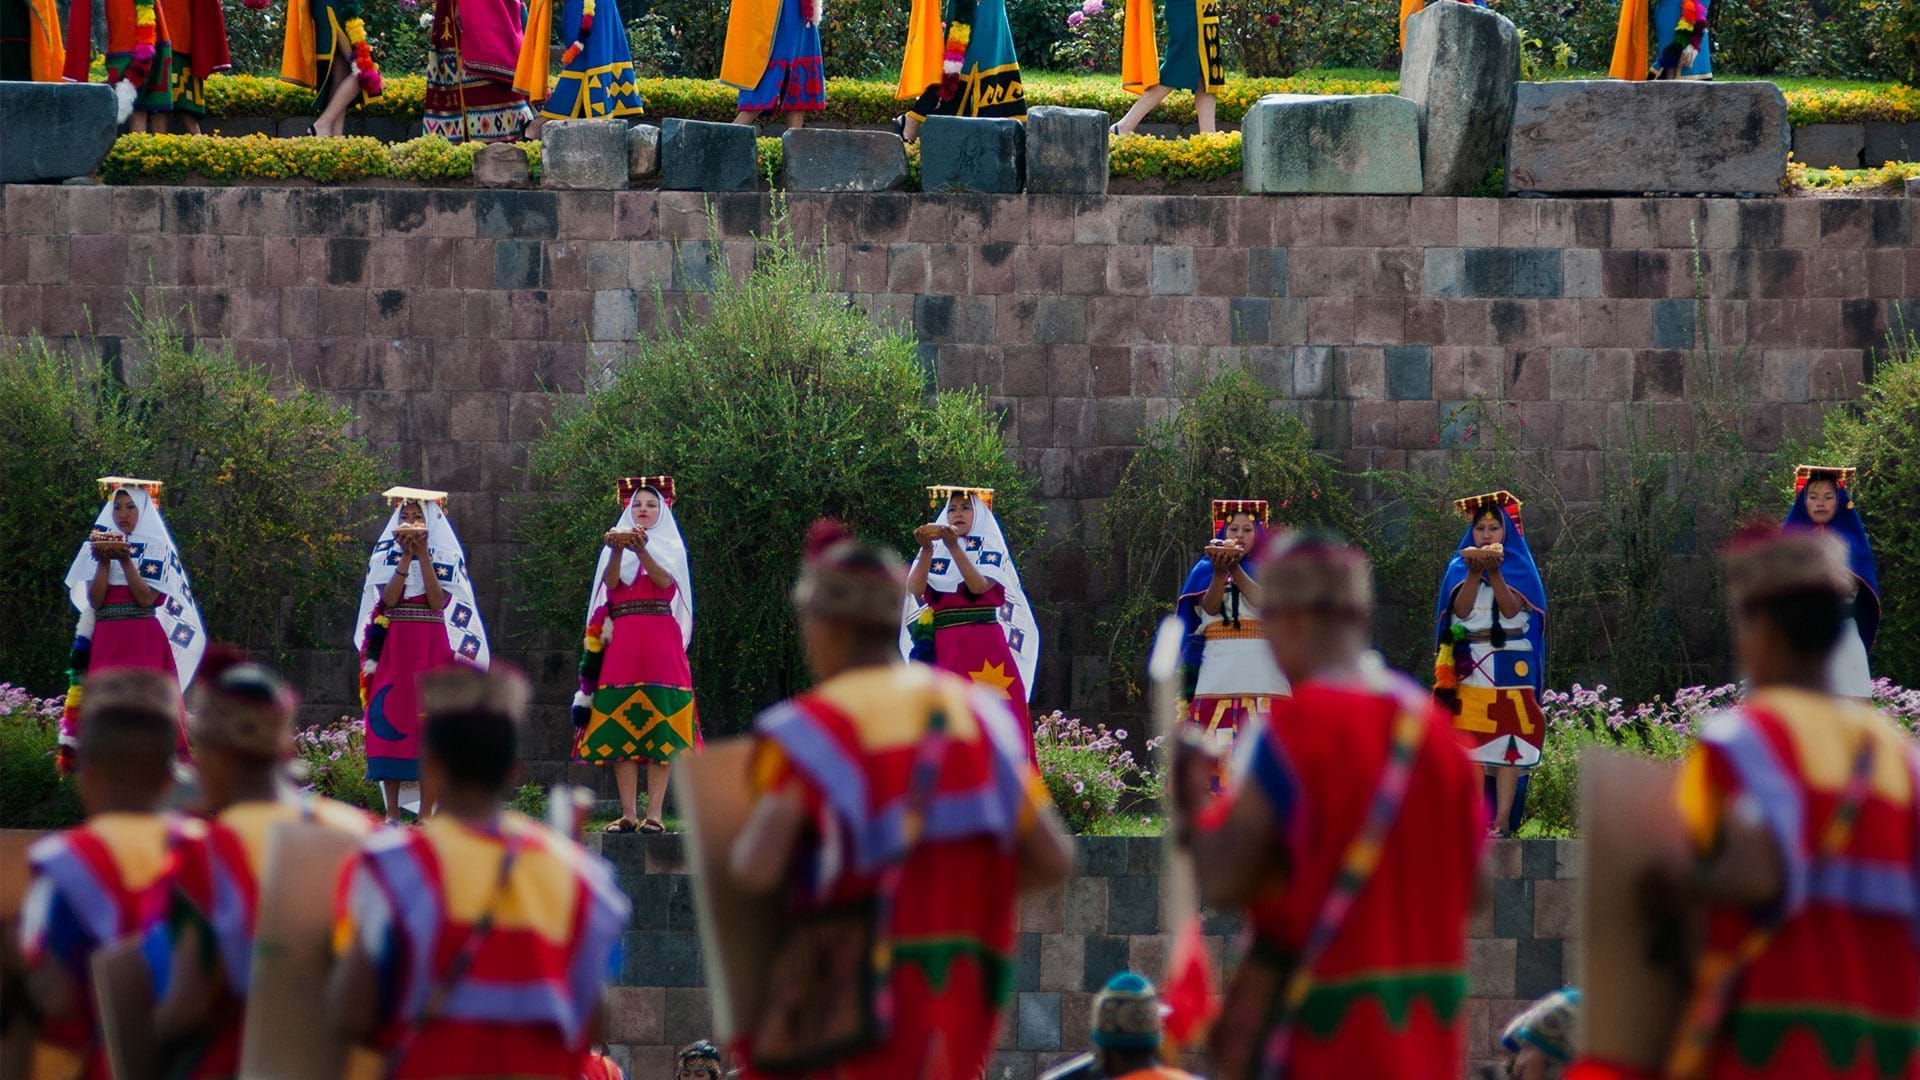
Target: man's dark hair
1810	619
473	722
129	725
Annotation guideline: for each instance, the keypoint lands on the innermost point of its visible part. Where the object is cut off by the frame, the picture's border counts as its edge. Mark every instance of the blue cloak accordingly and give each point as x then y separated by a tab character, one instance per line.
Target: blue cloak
1199	580
1847	525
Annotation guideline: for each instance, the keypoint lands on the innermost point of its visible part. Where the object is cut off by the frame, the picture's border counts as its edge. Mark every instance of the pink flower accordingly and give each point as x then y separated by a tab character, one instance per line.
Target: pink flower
1075	18
1273	20
1093	7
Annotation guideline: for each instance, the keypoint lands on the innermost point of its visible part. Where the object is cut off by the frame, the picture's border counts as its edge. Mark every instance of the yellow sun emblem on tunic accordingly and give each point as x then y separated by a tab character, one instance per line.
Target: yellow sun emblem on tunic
994	675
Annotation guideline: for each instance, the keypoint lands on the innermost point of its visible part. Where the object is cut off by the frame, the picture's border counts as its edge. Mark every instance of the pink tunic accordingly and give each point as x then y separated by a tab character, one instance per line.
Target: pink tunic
646	645
416	644
969	641
643	707
127	634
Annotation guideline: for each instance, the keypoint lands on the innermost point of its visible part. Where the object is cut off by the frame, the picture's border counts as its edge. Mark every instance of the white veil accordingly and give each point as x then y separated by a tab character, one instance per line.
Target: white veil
466	634
158	560
987	547
667	547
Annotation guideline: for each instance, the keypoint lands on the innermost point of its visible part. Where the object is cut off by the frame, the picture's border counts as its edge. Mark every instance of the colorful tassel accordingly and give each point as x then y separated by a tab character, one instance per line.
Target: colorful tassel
577	44
958	35
370	659
77	664
364	68
593	655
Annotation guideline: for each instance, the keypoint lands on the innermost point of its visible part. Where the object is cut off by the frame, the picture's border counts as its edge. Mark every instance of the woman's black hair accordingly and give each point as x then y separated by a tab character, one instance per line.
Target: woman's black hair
1810	619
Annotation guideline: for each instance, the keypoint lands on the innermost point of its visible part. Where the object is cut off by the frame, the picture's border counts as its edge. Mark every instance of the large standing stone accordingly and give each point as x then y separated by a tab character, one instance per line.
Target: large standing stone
500	165
1890	141
1669	136
699	155
1353	145
1460	65
972	154
1067	151
584	154
52	131
829	159
643	152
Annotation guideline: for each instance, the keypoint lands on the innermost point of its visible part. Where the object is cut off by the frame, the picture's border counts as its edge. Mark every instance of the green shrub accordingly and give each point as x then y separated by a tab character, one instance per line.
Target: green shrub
779	404
265	493
1038	26
66	425
141	159
1878	434
33	794
1090	775
1229	442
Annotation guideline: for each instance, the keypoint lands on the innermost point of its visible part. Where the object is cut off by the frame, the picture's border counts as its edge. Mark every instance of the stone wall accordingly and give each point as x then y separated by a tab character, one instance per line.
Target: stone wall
445	316
1106	919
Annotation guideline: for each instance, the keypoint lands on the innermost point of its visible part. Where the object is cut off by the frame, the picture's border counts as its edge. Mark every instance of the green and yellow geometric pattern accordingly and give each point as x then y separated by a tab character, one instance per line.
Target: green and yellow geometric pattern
639	722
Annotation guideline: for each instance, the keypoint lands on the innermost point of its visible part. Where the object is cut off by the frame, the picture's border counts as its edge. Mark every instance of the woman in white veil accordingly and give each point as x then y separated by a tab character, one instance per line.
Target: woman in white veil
635	702
417	613
136	607
966	610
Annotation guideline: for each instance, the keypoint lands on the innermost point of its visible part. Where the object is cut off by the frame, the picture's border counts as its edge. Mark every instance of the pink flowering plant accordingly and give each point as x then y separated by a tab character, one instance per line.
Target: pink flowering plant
1089	772
332	761
1095	32
33	794
1582	717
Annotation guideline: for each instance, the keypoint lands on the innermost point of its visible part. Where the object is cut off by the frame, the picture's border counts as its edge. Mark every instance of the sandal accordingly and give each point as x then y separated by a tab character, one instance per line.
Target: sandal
622	825
651	827
900	128
312	132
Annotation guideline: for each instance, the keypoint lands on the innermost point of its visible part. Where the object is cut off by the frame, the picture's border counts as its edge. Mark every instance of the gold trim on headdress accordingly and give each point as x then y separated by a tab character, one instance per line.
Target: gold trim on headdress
937	494
1841	475
1225	509
624	487
151	487
1504	499
397	495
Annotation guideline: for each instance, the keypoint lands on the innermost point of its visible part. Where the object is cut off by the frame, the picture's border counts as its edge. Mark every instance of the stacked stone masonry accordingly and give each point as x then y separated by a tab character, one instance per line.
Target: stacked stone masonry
1107	918
445	317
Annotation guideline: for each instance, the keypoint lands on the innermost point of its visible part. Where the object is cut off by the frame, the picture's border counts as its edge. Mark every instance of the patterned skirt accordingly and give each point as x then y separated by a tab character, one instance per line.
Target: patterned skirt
462	103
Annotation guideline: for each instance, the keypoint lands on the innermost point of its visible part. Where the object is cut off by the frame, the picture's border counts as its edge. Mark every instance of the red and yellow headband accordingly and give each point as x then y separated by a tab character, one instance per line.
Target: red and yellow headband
938	494
152	487
624	487
1504	499
1225	509
1841	475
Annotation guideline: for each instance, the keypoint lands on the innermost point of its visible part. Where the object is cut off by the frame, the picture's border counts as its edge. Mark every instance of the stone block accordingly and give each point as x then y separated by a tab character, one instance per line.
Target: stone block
831	159
1608	137
1332	144
586	155
54	130
698	155
1037	1021
1409	373
1460	65
1913	187
1538	968
1104	957
1891	141
1133	905
1673	324
1830	146
643	152
500	165
1066	151
1062	960
972	154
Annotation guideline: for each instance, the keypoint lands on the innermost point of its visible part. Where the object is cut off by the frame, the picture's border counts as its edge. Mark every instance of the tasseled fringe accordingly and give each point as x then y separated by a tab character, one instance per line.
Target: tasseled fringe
958	35
593	656
586	28
77	664
370	658
1444	675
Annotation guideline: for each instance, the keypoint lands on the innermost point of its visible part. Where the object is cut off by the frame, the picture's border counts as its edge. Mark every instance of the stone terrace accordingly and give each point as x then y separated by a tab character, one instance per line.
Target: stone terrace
444	316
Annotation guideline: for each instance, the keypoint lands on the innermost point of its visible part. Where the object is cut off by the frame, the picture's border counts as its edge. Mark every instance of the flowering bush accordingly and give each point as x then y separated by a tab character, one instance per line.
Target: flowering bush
33	794
1088	770
139	158
333	760
1199	157
1579	718
1095	33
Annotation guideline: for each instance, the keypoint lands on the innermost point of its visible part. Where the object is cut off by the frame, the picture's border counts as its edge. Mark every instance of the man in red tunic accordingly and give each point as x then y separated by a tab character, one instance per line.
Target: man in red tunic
1351	837
1802	807
902	787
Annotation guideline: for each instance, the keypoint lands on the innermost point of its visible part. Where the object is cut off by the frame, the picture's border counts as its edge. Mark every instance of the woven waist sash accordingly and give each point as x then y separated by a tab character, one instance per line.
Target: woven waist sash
639	607
114	612
414	613
968	616
1225	631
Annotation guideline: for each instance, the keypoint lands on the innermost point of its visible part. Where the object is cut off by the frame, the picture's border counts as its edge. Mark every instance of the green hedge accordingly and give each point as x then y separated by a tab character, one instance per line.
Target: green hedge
872	101
140	159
